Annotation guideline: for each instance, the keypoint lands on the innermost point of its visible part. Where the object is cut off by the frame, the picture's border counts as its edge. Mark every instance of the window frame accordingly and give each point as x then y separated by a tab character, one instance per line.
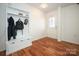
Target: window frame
51	22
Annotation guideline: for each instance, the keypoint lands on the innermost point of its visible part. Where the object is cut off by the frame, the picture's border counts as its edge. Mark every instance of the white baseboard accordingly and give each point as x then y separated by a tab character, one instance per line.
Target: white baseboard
38	38
59	40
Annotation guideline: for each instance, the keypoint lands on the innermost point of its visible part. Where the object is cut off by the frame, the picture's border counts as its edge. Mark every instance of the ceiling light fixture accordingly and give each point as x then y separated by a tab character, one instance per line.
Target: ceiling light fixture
44	5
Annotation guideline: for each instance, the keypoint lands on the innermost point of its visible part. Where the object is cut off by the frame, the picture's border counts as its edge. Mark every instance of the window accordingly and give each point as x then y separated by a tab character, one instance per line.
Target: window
51	22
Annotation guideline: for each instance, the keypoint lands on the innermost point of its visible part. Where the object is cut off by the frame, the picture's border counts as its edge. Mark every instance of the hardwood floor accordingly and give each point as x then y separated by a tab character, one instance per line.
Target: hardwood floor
49	47
2	53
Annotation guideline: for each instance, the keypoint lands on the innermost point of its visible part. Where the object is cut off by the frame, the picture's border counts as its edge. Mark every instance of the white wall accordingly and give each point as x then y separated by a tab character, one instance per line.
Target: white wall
56	31
36	27
2	27
70	23
67	23
37	24
52	32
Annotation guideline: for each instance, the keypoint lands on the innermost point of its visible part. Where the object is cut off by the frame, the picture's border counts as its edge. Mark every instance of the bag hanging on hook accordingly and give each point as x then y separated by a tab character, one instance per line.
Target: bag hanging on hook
25	21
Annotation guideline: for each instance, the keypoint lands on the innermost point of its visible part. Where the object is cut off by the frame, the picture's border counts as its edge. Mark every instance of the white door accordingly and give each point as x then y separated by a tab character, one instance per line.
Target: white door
52	27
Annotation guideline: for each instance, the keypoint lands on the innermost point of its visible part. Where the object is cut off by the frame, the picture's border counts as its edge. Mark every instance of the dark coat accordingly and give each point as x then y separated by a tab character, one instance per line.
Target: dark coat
11	28
19	25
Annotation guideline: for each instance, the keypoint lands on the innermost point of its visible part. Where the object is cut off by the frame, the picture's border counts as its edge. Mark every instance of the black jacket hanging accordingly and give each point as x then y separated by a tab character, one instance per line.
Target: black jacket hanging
19	25
11	28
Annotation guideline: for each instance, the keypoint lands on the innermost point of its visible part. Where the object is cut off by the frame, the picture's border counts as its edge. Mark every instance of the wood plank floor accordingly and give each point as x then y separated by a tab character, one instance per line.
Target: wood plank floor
2	53
49	47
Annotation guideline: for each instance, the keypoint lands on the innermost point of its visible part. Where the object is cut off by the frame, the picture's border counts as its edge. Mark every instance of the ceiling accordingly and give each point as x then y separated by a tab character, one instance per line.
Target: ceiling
51	6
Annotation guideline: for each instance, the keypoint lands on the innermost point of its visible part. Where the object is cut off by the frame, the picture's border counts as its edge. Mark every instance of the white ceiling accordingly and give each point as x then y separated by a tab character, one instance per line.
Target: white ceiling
51	6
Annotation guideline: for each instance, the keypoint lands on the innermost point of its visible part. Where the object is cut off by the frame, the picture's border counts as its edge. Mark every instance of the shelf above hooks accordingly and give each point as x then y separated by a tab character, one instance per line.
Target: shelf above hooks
18	15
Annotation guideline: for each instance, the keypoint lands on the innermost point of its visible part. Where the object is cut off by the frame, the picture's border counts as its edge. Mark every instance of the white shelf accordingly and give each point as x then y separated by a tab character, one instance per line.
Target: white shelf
18	15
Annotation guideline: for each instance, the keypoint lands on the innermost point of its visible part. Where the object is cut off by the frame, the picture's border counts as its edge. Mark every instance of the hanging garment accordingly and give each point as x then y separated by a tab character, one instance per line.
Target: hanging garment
19	25
25	21
11	28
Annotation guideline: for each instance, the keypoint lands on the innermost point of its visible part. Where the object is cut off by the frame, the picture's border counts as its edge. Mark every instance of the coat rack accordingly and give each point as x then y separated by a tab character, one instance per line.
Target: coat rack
19	14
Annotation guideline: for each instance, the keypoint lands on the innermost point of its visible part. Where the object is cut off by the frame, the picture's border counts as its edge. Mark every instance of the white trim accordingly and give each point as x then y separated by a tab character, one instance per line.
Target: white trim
10	52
